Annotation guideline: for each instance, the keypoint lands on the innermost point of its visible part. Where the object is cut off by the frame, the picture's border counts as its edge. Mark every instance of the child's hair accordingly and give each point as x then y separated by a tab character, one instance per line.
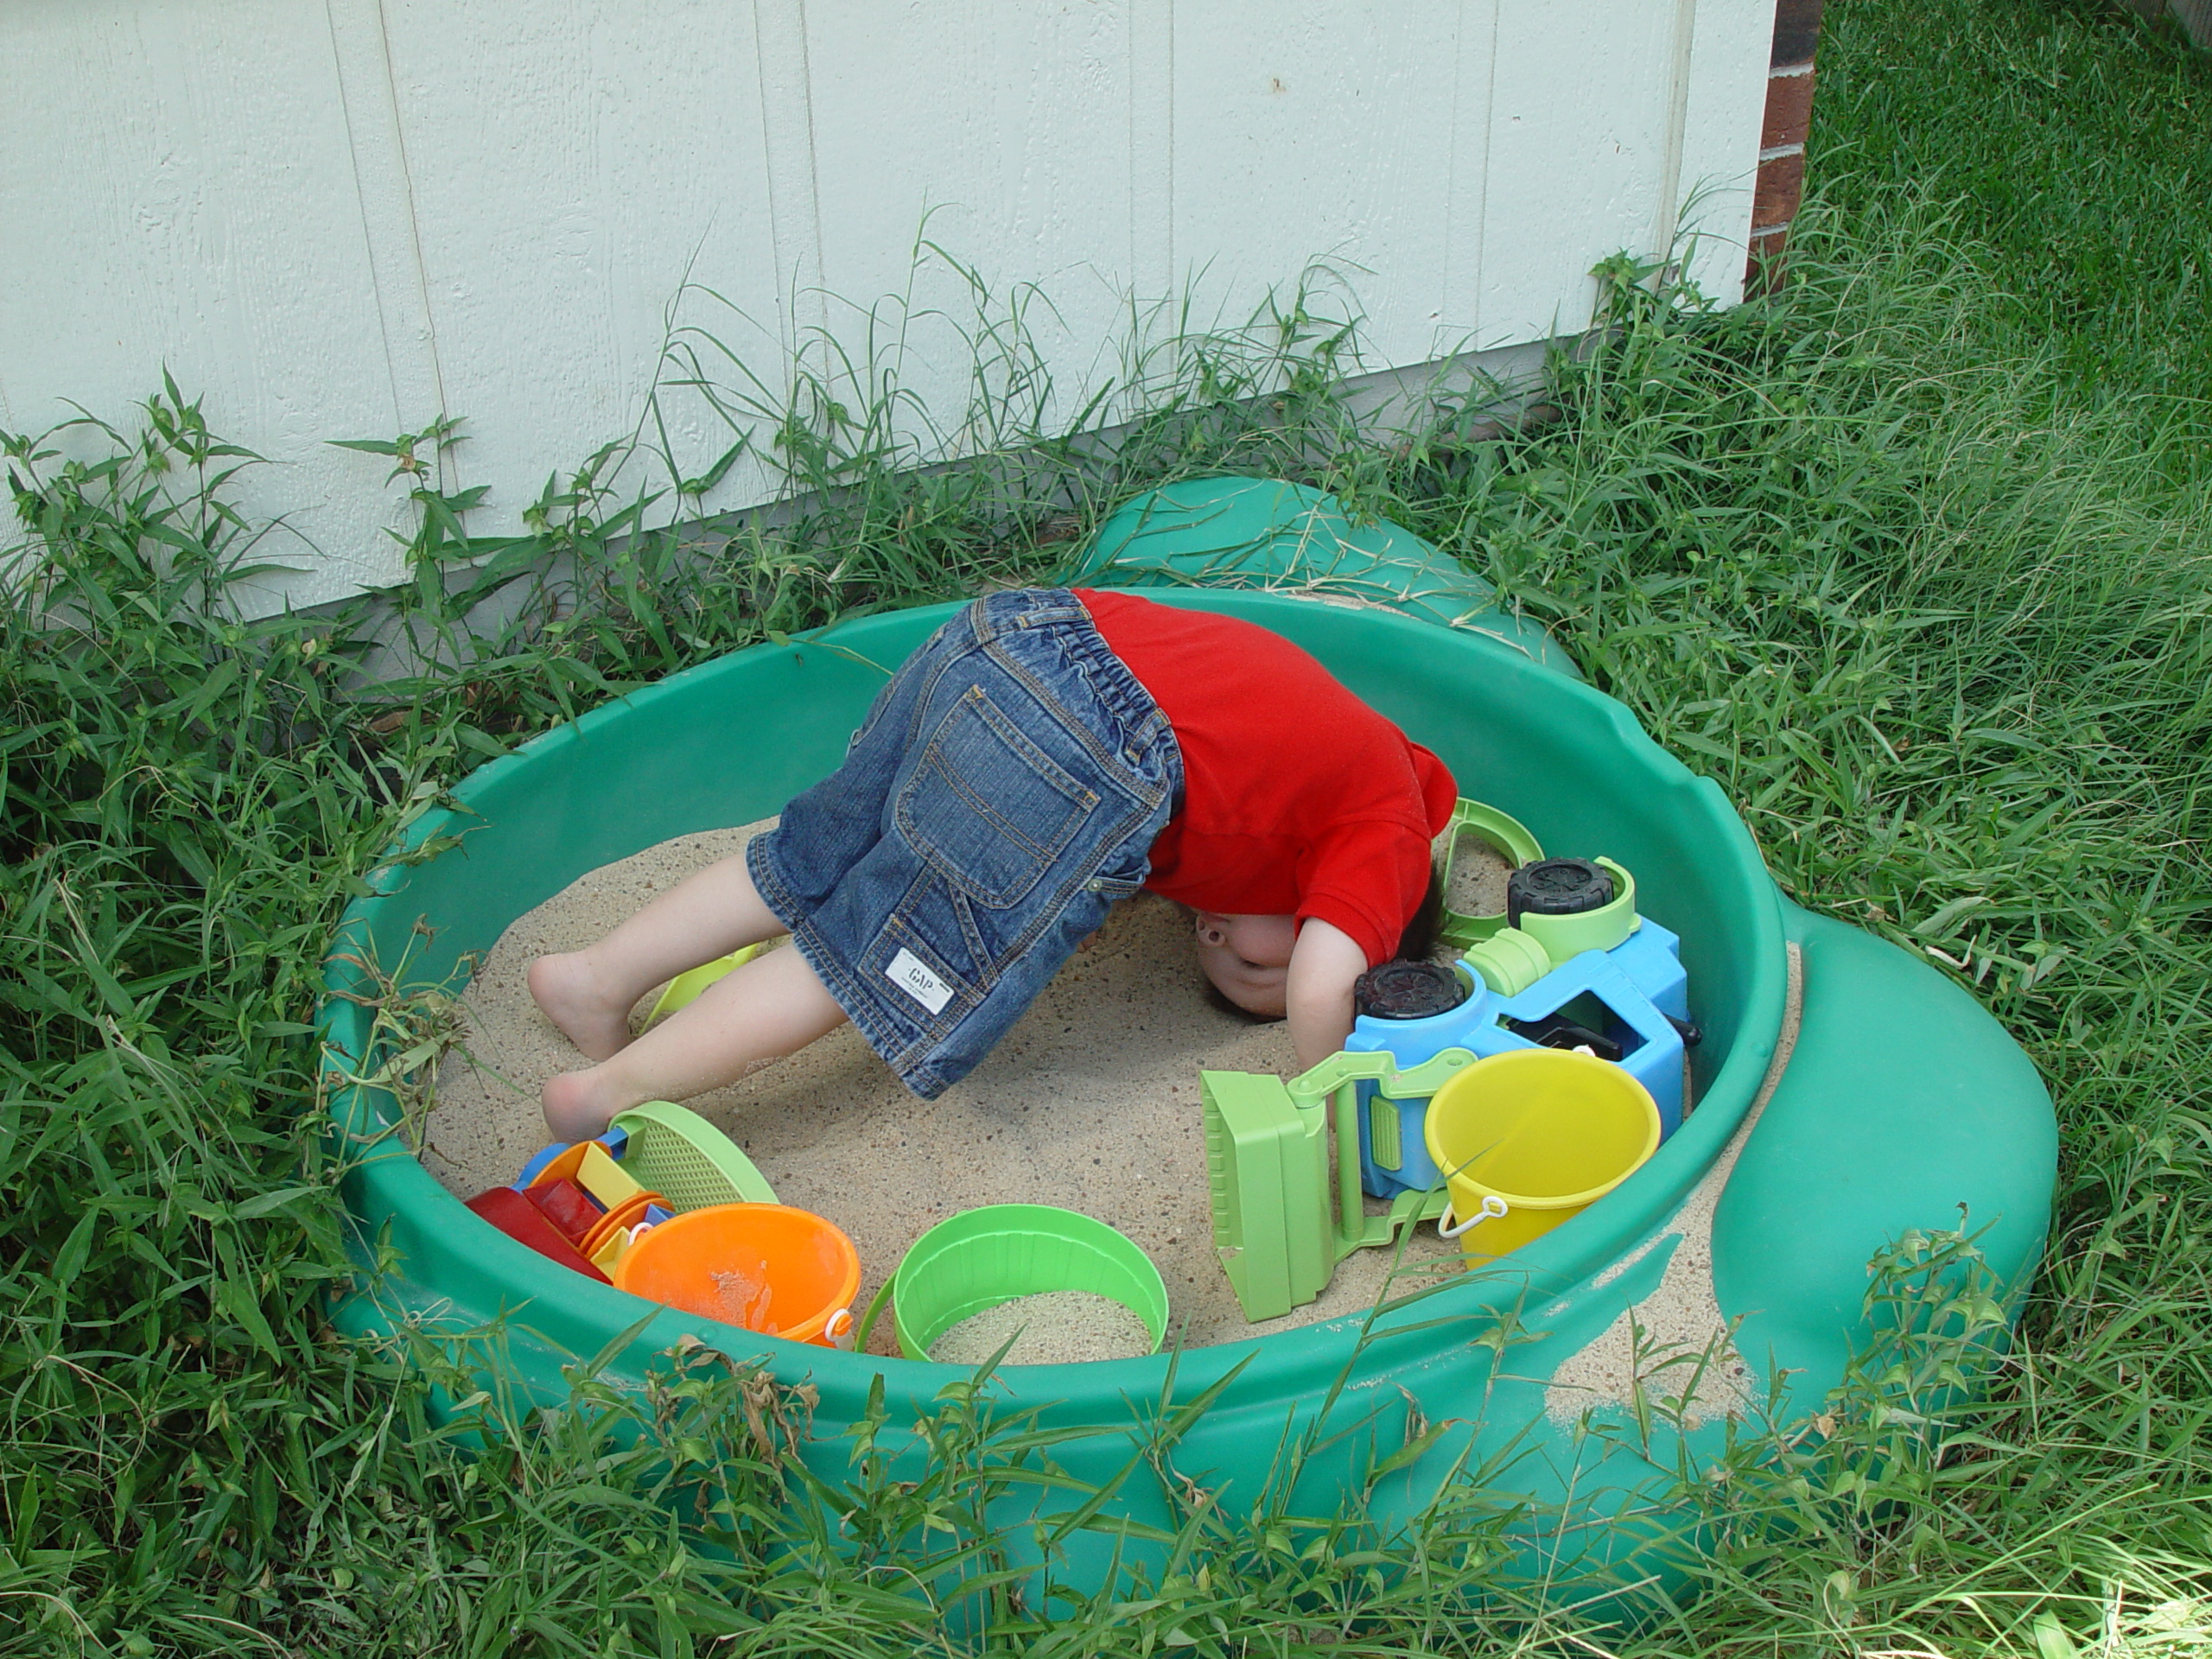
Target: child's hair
1218	998
1426	925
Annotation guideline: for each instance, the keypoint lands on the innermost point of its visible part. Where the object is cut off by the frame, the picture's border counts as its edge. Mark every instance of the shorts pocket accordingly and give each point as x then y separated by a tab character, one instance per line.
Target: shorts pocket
985	808
934	996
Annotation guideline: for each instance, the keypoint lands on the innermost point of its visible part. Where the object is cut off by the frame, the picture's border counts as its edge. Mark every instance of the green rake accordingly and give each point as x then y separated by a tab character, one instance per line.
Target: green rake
1268	1166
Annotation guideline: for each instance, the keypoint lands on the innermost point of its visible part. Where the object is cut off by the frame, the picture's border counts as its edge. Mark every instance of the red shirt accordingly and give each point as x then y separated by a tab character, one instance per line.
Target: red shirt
1298	799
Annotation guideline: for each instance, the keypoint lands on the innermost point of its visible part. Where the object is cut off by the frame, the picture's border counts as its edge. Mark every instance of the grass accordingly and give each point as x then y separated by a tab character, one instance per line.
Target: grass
1912	559
2077	160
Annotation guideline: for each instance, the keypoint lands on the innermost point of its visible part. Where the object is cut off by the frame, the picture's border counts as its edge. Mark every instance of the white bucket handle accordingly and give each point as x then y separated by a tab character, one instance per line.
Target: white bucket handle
840	1329
1494	1209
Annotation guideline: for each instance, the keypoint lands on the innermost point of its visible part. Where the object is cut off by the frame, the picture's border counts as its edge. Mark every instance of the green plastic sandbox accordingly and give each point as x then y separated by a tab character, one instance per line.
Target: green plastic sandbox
1903	1104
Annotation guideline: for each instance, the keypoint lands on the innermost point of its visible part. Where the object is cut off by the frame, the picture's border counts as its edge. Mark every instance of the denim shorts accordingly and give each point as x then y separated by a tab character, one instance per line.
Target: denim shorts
1003	797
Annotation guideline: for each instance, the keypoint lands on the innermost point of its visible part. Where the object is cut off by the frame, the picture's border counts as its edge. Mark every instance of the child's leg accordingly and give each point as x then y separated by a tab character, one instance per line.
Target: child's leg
588	993
773	1006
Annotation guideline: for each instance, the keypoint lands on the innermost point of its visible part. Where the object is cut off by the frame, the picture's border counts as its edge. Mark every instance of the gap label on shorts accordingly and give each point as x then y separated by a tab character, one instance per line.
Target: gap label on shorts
908	973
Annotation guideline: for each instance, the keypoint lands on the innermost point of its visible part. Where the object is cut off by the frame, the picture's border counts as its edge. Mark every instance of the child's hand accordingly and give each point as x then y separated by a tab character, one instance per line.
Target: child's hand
1324	965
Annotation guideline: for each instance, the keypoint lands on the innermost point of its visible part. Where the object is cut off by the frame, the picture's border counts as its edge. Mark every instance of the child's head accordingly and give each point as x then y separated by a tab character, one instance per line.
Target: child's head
1246	958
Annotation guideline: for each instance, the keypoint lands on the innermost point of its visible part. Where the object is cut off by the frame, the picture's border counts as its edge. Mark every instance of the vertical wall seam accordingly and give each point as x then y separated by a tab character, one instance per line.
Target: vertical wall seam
1451	169
786	325
1167	151
450	479
376	141
812	225
1467	196
1667	223
794	198
361	205
1151	150
1490	147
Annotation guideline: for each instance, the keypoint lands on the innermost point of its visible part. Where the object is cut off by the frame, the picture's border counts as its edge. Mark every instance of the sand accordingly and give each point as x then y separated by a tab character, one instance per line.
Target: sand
1058	1328
1478	874
1675	1345
1092	1102
740	1299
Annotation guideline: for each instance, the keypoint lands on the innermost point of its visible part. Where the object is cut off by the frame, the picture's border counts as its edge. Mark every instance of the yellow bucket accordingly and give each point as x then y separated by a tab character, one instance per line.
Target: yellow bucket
1529	1138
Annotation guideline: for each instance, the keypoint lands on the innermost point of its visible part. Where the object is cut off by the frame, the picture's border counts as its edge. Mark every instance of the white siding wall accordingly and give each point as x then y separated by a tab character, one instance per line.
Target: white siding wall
339	221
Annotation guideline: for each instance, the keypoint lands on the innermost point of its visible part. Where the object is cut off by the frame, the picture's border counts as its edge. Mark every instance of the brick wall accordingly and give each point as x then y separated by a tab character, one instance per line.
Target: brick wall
1781	141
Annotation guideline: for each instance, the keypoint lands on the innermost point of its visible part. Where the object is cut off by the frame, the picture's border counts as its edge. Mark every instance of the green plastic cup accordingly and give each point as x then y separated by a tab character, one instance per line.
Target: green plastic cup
1505	835
983	1258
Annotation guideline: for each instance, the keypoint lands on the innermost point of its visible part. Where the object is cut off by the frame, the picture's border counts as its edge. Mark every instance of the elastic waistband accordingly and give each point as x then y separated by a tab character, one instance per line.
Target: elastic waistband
1059	613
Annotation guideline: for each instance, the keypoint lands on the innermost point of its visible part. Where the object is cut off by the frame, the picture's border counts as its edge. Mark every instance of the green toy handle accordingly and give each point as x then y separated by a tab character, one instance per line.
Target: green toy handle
867	1320
1339	1070
686	988
1337	1079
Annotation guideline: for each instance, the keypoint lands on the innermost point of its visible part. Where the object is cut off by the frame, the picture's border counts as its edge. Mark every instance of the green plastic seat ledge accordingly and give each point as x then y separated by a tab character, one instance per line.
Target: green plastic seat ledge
1856	1143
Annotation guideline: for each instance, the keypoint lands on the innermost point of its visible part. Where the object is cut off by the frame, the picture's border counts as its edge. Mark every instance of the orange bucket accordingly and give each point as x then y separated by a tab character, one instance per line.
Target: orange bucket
766	1267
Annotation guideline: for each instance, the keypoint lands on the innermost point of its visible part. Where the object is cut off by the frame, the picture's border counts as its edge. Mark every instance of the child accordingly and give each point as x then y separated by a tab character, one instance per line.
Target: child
1045	755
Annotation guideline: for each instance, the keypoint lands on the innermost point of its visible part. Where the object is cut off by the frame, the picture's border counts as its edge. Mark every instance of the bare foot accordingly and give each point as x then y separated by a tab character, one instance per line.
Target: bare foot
568	990
578	1104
